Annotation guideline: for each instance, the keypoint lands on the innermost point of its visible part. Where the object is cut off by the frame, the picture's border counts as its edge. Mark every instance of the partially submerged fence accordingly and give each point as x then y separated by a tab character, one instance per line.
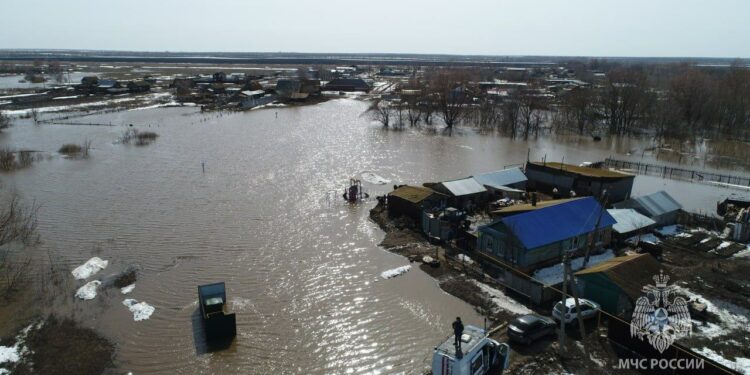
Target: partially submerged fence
676	173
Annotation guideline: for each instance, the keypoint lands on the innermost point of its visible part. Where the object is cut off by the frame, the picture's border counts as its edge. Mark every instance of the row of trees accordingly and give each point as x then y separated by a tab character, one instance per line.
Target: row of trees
671	100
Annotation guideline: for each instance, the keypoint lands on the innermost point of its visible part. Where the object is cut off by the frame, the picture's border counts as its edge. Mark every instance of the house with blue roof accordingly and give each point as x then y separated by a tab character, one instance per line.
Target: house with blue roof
539	238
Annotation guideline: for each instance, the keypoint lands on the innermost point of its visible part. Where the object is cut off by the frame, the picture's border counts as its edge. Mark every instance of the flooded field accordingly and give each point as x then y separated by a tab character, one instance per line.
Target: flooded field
303	270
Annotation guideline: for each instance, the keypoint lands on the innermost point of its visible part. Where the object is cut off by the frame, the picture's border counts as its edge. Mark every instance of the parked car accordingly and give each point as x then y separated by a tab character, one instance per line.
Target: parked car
529	328
569	313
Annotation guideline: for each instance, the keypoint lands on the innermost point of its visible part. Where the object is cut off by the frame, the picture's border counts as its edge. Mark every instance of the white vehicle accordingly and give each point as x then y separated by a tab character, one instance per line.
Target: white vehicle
570	314
477	356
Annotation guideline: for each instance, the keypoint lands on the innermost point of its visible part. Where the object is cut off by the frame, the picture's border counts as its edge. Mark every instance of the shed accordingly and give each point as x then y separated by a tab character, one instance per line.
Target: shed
616	284
659	206
463	193
546	176
412	200
503	179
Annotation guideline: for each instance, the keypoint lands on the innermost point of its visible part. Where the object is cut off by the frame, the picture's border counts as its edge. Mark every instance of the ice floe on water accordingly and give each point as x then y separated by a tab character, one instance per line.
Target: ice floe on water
395	272
740	364
88	291
501	301
91	267
140	310
374	178
127	289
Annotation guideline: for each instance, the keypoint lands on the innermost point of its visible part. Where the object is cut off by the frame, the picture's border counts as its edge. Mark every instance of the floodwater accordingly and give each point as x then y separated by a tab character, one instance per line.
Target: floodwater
302	268
16	81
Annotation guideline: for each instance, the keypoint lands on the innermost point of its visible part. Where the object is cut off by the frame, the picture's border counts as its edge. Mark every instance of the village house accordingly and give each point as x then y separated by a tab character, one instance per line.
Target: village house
572	180
616	283
139	86
659	206
539	238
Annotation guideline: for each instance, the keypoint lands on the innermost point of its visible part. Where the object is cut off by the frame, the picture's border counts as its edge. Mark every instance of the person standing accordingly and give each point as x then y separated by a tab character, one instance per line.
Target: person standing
458	330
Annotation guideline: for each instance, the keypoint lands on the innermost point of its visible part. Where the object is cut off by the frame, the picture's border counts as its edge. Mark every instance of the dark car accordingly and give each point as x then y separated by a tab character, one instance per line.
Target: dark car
529	328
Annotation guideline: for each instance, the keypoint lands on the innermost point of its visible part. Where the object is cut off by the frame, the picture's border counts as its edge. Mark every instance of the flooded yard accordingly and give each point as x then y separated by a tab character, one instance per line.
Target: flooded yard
254	199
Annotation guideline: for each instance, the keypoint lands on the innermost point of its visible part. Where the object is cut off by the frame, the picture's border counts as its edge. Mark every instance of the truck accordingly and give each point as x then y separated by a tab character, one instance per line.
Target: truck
478	354
218	324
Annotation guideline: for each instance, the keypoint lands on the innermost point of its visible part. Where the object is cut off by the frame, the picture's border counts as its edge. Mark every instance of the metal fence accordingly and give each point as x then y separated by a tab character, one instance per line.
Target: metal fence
675	173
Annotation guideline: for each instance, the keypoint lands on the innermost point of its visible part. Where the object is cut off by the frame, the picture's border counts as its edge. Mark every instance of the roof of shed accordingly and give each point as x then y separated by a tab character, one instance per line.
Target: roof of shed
583	171
658	203
414	194
558	222
631	272
466	186
629	220
502	177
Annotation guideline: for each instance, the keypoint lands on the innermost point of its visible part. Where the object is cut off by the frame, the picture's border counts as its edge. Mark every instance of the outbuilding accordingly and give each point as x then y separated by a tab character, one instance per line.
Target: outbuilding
412	200
565	178
616	283
659	206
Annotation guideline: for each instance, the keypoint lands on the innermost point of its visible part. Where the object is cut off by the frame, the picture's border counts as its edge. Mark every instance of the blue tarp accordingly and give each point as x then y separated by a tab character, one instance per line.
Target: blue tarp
556	223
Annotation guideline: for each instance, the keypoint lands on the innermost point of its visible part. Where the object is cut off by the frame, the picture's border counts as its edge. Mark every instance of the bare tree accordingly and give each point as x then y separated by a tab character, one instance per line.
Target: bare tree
4	121
18	225
381	112
451	94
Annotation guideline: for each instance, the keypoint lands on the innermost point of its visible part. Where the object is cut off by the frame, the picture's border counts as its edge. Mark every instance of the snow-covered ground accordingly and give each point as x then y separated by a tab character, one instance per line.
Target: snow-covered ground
740	364
90	268
15	353
463	258
395	272
669	230
150	98
648	237
501	301
554	274
731	317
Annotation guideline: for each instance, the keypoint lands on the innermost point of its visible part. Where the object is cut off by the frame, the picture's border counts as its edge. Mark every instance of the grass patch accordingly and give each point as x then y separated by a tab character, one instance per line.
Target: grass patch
138	138
10	159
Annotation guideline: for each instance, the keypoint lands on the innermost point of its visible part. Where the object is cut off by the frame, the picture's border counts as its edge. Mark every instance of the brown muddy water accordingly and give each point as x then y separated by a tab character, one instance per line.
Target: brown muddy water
302	268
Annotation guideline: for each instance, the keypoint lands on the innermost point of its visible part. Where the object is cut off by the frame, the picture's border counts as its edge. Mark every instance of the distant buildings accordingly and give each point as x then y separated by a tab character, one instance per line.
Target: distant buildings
347	84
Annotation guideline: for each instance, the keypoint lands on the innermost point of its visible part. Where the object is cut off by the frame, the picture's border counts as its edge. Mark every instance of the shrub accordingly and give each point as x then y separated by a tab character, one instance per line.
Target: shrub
70	149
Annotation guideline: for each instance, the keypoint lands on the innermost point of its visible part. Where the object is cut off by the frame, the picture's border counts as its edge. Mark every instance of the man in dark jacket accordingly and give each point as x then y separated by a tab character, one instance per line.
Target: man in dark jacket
458	330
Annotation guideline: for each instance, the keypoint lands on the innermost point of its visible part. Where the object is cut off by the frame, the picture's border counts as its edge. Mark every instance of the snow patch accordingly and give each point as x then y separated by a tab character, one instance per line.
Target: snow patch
127	289
91	267
140	310
648	238
465	259
395	272
669	230
9	354
740	364
554	274
501	301
731	317
88	291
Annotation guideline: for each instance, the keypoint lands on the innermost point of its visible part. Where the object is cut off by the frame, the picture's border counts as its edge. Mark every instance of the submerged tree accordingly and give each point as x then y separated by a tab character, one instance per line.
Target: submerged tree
381	112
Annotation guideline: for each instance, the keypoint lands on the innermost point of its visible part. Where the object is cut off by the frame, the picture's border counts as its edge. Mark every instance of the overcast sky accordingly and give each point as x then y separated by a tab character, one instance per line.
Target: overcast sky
711	28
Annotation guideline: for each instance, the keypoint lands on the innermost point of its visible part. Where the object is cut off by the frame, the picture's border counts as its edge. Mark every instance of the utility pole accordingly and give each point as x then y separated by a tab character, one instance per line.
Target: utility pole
590	247
561	335
581	326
